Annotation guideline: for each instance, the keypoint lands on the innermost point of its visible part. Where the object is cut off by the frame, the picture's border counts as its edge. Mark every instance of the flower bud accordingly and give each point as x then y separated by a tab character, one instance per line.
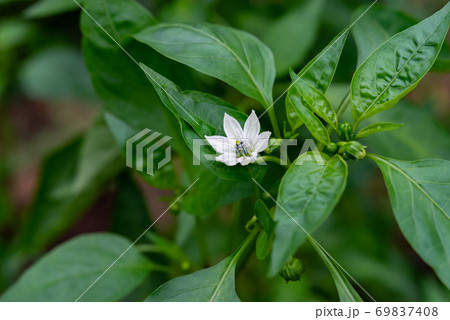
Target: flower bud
293	270
332	147
346	131
352	150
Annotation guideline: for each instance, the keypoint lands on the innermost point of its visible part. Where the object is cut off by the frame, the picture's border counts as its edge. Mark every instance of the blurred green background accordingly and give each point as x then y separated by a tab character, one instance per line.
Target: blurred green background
51	141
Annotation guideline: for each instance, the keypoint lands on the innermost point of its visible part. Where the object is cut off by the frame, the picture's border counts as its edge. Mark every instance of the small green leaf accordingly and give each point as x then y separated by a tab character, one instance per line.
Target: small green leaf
377	127
345	290
233	56
308	192
318	73
397	66
264	216
315	100
313	124
289	46
264	244
67	271
419	196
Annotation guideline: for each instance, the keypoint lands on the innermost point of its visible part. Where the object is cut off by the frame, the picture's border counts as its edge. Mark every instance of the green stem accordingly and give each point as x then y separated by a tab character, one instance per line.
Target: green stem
200	235
275	160
246	243
273	120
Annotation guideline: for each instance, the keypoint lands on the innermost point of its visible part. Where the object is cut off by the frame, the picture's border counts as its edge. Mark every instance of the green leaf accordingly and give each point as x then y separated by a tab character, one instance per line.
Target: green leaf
308	192
374	28
377	127
212	192
72	178
289	46
40	76
419	196
233	56
207	158
397	66
48	8
318	73
130	215
212	284
413	140
204	112
345	290
264	244
67	271
264	216
313	124
315	100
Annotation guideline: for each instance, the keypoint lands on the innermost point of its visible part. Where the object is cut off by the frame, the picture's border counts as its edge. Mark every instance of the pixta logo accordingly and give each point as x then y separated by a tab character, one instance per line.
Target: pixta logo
147	145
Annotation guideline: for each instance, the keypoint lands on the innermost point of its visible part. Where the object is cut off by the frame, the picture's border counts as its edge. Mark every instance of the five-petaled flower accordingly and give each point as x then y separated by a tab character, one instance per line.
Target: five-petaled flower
239	146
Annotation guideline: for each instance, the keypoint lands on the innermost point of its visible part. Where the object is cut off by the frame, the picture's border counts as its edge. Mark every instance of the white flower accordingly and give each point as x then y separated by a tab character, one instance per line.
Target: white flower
239	146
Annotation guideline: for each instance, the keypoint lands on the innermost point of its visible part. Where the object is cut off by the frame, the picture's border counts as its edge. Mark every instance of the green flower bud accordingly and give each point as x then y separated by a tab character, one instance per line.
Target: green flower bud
332	147
352	150
293	270
346	131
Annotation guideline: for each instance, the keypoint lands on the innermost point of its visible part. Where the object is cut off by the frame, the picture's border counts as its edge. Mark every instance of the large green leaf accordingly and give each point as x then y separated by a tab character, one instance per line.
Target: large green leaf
318	73
207	158
397	66
234	56
212	284
71	179
204	112
419	196
345	290
130	216
308	193
67	271
212	192
379	25
288	44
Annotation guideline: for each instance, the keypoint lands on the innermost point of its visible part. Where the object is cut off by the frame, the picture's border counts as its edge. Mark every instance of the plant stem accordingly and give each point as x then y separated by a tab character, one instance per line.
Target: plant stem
246	242
273	120
200	235
275	160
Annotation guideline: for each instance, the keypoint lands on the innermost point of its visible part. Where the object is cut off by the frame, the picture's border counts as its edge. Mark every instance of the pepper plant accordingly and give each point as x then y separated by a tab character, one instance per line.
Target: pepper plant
135	63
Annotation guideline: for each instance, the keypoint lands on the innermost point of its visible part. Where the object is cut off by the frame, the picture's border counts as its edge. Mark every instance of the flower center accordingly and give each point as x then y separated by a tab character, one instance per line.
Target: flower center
241	149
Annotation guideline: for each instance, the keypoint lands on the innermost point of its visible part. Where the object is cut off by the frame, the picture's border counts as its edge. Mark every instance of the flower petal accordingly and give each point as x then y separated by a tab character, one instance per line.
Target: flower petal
222	144
232	128
261	142
251	127
229	158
